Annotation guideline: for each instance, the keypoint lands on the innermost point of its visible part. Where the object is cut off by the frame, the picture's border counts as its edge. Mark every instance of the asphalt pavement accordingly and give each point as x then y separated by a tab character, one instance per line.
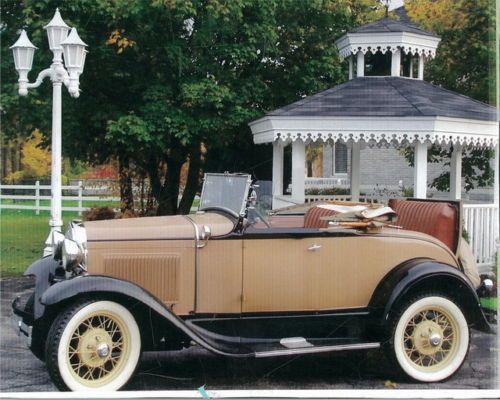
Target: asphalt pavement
189	369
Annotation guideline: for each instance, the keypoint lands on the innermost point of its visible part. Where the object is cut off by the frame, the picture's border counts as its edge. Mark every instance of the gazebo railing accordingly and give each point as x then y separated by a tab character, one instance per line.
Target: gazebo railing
481	224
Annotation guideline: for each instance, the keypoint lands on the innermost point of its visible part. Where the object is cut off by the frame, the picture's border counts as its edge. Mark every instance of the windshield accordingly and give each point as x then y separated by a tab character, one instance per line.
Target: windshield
225	190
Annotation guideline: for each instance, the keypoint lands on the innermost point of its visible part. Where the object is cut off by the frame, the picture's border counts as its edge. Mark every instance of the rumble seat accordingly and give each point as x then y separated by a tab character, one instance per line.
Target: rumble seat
313	215
435	218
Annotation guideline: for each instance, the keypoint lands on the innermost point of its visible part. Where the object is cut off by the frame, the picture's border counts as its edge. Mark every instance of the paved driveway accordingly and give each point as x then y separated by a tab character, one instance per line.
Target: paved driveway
189	369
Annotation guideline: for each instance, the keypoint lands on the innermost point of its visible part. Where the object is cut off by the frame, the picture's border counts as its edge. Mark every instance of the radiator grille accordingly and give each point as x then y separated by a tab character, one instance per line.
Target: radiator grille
157	273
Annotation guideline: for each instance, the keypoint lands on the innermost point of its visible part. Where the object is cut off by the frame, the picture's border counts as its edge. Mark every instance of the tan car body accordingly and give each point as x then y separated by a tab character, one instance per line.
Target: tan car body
242	274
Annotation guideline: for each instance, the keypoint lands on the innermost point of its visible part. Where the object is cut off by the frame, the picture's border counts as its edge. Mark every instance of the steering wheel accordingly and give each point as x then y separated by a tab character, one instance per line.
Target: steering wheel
223	210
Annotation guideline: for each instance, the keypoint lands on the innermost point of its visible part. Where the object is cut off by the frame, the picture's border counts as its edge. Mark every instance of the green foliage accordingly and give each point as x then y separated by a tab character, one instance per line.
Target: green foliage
464	63
476	166
166	76
327	191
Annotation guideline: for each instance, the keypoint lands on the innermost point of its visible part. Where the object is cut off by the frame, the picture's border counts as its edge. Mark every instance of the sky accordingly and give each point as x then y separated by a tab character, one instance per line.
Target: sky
395	4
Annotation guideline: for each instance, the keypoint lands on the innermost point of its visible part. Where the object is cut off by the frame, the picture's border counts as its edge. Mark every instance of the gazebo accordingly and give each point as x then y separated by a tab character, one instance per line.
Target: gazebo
385	102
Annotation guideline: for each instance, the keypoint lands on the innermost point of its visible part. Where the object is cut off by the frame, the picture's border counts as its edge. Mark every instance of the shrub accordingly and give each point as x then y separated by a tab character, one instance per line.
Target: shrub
99	213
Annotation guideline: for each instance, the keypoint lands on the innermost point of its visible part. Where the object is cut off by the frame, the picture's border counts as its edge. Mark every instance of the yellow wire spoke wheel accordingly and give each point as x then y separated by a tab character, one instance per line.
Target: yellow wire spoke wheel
98	348
431	339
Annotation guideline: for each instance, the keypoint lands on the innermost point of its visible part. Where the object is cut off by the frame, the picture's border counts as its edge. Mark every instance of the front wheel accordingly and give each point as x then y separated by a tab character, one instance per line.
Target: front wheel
430	338
93	345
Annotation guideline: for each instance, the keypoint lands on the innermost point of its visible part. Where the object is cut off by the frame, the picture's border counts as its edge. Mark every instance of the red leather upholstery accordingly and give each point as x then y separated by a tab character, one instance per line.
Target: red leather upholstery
313	215
438	219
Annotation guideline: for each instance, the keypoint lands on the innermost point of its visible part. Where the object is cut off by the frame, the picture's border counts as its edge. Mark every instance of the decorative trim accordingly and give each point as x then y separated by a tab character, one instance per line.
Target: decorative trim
409	43
377	132
415	50
376	139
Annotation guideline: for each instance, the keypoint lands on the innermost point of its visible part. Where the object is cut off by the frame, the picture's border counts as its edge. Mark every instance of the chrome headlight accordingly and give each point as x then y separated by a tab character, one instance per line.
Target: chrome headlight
74	247
57	242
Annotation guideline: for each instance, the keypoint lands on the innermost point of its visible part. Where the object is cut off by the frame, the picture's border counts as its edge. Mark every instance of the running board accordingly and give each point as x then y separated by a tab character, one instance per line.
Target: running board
319	349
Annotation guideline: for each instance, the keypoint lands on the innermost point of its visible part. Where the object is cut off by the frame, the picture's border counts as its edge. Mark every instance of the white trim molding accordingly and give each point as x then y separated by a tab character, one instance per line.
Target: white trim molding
377	131
409	43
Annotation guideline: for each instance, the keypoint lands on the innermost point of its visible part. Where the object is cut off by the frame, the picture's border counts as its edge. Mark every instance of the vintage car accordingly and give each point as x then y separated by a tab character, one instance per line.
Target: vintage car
241	284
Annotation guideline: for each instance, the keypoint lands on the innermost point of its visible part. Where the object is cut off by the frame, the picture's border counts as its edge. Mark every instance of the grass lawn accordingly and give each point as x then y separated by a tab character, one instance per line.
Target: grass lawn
23	234
22	238
489	302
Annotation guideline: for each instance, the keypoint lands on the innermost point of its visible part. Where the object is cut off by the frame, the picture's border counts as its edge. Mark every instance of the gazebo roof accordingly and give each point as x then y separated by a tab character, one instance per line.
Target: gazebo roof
388	96
388	34
389	24
376	110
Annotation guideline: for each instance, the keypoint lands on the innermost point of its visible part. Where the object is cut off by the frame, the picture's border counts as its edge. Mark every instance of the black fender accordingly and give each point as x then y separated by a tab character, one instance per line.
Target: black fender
425	273
94	285
44	269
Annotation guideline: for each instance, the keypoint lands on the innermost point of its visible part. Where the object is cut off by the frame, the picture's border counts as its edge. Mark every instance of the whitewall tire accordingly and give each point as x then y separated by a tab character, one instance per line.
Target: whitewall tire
93	346
430	338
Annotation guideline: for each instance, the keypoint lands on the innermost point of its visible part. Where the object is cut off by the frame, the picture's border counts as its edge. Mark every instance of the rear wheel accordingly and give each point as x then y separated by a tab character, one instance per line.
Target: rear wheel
430	338
93	345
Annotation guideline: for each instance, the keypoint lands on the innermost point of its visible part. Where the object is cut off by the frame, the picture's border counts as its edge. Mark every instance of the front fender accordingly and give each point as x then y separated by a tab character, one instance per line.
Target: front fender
92	285
44	269
423	274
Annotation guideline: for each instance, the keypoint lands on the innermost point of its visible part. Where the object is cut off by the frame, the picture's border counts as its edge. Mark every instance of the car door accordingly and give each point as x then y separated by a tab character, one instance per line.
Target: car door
305	285
278	274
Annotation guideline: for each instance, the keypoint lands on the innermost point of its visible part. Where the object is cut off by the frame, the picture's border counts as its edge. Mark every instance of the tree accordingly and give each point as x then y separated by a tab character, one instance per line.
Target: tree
464	63
168	78
220	65
35	160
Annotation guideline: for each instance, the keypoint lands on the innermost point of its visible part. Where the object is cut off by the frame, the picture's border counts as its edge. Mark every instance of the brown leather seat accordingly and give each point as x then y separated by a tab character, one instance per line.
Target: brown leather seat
313	215
438	219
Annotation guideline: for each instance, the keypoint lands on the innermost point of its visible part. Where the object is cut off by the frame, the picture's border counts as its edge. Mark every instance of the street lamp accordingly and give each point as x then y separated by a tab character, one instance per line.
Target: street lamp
61	41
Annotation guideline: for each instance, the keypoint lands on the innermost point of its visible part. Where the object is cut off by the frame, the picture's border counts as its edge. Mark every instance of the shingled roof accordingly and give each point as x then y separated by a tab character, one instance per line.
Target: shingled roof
388	97
401	23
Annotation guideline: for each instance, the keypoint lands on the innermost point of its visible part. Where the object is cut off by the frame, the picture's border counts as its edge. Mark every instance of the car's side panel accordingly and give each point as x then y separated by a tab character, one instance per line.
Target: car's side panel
219	278
284	275
165	268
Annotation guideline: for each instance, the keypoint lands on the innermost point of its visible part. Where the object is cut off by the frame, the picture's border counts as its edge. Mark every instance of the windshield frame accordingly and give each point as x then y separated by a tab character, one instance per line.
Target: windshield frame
243	210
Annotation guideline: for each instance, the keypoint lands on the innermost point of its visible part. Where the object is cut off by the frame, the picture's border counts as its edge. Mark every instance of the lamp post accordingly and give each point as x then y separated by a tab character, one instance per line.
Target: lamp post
63	40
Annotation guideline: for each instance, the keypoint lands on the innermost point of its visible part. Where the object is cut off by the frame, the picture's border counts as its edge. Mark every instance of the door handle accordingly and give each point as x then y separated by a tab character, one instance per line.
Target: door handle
314	247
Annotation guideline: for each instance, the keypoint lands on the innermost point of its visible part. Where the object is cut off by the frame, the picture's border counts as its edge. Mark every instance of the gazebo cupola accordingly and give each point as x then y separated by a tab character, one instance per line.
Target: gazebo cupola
385	102
389	46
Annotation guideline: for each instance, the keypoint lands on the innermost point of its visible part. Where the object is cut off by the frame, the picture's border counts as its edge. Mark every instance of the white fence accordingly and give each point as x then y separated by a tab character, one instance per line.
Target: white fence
480	220
481	224
79	190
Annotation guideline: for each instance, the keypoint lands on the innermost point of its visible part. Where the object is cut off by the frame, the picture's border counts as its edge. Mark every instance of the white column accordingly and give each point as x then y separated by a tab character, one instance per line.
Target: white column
355	170
278	146
421	66
298	171
420	171
411	65
351	66
396	63
456	173
360	64
55	221
496	185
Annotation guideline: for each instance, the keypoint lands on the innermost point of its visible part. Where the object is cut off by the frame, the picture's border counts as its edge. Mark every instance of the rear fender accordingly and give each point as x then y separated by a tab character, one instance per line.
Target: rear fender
96	285
423	274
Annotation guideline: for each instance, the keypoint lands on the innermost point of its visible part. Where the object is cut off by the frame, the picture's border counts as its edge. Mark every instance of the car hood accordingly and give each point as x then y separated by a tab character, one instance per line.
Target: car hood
157	228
